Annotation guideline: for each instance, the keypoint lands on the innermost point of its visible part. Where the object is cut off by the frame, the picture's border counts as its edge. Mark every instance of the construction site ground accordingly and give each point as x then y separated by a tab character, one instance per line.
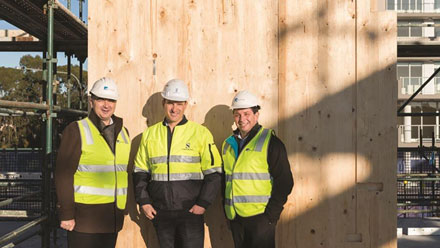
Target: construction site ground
404	240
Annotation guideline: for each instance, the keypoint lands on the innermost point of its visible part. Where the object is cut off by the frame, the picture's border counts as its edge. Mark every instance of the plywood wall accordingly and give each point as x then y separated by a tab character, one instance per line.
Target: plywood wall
324	72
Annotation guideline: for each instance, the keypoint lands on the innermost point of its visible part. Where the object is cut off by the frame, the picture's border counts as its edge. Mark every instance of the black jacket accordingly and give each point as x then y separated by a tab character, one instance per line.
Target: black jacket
176	195
279	169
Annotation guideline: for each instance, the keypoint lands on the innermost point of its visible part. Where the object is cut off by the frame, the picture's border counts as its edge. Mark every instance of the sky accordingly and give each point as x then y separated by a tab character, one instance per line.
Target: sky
12	59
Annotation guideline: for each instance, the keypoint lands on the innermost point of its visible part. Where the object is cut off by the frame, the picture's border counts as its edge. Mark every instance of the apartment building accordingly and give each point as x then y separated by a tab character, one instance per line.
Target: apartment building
418	37
418	42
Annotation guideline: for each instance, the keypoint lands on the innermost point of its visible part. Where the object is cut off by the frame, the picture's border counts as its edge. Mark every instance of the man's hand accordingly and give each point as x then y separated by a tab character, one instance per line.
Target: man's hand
196	209
149	211
68	224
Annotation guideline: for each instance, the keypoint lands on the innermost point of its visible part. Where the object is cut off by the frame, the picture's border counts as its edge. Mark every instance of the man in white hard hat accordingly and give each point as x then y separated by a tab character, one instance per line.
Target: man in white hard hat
91	172
257	176
177	172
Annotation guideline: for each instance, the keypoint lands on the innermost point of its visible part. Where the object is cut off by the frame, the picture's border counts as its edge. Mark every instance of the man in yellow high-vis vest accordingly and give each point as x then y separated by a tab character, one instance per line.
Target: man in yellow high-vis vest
257	176
177	172
91	172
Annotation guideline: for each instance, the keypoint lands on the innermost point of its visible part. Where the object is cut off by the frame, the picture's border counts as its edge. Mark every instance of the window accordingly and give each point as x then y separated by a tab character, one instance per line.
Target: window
415	29
414	5
402	70
402	29
404	4
428	121
437	29
391	5
409	28
437	79
410	75
415	75
436	5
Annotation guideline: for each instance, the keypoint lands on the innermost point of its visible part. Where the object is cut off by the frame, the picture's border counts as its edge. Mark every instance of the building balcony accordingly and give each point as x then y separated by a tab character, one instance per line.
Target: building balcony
414	7
408	85
409	135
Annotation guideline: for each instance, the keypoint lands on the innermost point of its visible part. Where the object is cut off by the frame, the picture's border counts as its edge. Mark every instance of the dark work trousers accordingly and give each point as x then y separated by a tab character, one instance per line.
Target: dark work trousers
179	229
91	240
255	231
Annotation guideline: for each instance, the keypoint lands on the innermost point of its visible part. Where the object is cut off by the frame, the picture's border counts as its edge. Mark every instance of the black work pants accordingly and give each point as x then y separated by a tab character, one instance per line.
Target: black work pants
179	229
255	231
91	240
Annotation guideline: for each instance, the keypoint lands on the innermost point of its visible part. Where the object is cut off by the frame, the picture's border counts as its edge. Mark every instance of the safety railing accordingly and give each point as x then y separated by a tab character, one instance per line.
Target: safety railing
21	233
418	183
411	133
410	84
414	6
49	112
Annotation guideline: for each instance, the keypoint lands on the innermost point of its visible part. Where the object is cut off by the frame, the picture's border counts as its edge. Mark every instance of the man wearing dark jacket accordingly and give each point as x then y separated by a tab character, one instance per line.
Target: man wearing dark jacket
177	172
91	172
257	176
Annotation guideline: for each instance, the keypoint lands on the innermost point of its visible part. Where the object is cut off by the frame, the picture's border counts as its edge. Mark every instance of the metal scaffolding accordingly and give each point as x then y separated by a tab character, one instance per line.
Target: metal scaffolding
418	171
58	30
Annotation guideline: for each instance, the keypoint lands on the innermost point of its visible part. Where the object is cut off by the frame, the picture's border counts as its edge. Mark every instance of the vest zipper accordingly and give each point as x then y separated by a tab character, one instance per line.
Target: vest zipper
116	179
212	156
232	180
168	186
170	140
115	206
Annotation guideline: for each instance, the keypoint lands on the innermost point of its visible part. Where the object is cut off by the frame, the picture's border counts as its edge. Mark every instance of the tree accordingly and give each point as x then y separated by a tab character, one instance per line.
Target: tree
31	62
28	86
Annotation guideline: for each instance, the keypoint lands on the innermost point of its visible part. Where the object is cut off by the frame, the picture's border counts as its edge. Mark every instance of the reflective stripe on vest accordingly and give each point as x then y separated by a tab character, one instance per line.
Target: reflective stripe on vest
124	137
177	176
225	148
261	140
137	169
248	181
88	132
212	170
101	168
176	159
248	176
101	176
247	199
99	191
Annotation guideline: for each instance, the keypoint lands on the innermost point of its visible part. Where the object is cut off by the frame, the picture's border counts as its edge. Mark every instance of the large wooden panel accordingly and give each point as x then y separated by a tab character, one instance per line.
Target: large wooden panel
217	47
119	48
376	134
317	78
323	71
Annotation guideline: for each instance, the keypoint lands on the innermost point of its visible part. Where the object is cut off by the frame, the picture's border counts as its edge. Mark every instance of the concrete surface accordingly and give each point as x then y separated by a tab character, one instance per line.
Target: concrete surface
417	241
404	241
421	227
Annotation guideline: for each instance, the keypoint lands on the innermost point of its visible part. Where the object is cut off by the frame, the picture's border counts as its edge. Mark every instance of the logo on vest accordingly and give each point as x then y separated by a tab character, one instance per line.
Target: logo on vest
187	146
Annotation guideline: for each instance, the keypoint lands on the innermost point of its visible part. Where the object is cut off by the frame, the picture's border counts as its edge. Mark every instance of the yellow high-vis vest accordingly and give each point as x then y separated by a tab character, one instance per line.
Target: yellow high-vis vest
101	176
248	182
188	159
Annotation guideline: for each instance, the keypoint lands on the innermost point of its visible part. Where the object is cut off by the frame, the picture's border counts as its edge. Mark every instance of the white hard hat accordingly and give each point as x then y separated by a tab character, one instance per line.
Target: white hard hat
105	88
244	99
175	90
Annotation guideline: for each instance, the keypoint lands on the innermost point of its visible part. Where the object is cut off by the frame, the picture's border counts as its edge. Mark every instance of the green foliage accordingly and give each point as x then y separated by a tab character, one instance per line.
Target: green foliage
31	62
26	84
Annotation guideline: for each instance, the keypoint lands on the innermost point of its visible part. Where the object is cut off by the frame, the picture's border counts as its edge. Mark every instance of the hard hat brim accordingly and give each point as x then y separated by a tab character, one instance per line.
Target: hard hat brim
244	107
103	96
174	98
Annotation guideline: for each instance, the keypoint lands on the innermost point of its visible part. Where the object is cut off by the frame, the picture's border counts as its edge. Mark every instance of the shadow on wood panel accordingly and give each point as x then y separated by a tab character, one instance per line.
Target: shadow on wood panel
306	132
